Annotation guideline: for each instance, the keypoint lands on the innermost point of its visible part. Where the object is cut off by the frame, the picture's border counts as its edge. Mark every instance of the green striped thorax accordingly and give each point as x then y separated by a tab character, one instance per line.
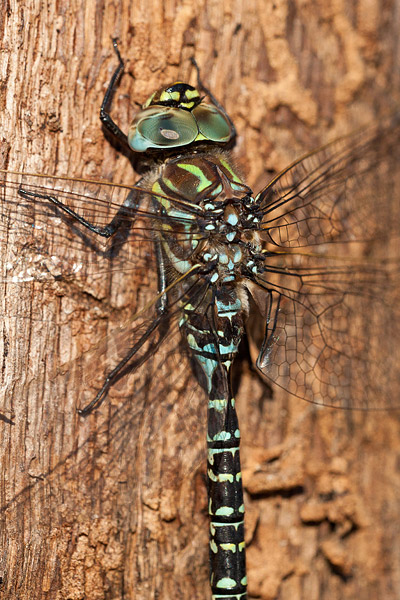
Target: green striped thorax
176	116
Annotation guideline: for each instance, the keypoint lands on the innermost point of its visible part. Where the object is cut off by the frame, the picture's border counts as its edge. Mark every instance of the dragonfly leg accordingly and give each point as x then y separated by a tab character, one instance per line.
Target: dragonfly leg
124	212
105	105
114	375
161	308
162	278
213	99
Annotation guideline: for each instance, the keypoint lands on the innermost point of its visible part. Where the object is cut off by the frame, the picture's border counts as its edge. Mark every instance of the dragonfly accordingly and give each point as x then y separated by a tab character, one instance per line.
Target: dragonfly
315	254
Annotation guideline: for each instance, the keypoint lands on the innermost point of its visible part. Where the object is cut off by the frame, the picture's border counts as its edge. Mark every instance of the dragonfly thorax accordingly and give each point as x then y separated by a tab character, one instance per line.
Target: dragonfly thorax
230	262
233	246
209	217
232	219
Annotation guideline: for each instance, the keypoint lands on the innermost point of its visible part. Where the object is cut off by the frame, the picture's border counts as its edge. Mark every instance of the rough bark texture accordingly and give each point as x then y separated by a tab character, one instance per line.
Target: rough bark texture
114	505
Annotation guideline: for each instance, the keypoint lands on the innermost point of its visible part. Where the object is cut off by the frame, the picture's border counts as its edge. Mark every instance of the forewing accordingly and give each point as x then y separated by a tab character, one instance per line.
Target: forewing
342	193
77	282
45	242
332	254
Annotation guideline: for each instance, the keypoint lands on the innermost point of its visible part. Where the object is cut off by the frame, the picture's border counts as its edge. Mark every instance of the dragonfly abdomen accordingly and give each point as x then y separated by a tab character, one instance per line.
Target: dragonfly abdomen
226	507
213	332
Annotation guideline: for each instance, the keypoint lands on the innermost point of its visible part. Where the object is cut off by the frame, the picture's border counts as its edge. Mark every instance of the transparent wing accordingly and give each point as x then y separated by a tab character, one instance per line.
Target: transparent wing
49	251
45	245
47	242
329	292
331	286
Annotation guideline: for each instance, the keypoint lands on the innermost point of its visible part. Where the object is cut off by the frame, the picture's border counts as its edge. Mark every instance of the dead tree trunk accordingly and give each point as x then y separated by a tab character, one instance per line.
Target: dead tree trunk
114	505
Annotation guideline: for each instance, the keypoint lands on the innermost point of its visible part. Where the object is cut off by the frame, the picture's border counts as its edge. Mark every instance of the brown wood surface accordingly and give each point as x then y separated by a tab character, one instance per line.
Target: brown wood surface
114	506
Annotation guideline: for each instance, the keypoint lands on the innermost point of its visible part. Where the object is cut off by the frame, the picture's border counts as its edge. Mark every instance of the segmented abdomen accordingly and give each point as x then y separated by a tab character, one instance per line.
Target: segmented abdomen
213	332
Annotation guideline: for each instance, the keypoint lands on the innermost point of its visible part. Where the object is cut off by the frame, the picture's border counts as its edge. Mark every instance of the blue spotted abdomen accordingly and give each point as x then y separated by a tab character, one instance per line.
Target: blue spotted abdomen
213	332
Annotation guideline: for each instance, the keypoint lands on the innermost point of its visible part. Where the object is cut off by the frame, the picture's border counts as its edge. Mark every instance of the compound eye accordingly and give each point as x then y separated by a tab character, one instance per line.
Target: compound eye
212	123
162	127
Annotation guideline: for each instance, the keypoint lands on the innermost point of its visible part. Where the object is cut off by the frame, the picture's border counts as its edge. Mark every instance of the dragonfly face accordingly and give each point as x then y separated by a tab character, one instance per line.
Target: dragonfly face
174	117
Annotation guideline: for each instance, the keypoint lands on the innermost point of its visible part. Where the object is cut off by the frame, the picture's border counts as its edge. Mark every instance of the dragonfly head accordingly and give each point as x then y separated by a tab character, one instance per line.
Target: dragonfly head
177	95
176	116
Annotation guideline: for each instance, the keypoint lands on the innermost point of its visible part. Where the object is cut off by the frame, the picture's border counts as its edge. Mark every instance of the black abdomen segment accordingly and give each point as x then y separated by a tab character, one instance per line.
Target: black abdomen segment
226	508
214	343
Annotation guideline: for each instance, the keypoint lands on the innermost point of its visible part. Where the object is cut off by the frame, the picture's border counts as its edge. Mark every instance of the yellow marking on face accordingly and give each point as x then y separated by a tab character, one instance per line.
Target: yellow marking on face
200	137
187	104
149	101
173	96
192	94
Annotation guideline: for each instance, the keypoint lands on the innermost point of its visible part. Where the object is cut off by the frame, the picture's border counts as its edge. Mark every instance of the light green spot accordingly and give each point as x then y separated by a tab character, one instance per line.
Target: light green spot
192	341
233	220
237	257
214	547
241	508
220	404
161	199
222	436
226	477
200	137
228	547
238	187
238	476
189	306
241	546
212	451
211	475
192	93
197	172
226	583
169	184
235	525
221	477
230	170
217	190
237	433
243	581
224	511
172	95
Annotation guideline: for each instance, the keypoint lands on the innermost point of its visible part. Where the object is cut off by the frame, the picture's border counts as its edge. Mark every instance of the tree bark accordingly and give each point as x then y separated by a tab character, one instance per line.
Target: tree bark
114	505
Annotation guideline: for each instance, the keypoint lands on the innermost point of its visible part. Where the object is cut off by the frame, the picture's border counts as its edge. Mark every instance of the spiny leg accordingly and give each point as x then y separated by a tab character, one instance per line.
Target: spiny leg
161	308
107	231
105	105
125	211
114	375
